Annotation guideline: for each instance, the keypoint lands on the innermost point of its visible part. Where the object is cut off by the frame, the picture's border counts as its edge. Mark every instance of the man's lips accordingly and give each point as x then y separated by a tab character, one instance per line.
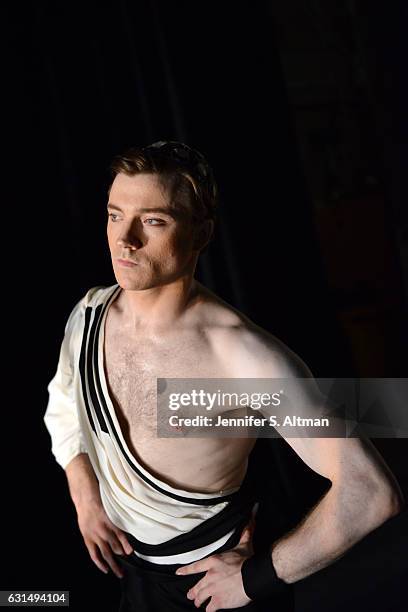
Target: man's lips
126	262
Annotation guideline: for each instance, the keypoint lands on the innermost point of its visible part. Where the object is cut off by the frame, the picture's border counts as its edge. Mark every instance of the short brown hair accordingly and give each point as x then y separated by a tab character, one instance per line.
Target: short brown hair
182	171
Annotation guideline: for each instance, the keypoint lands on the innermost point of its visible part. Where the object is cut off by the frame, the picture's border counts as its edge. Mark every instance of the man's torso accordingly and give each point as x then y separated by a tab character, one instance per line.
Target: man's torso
206	349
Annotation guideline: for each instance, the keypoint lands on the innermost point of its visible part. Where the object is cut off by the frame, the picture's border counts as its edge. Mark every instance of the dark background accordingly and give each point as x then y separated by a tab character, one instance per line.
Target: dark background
300	107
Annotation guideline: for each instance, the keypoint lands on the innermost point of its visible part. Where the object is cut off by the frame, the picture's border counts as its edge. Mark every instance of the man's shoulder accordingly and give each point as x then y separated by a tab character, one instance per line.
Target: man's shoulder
94	296
260	352
253	350
98	294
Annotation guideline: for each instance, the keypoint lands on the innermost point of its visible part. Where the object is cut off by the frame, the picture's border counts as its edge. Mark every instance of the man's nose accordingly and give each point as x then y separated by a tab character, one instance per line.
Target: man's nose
129	239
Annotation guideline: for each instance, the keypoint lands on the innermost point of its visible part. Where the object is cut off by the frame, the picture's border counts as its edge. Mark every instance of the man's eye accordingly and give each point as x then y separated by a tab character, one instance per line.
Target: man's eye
155	221
111	215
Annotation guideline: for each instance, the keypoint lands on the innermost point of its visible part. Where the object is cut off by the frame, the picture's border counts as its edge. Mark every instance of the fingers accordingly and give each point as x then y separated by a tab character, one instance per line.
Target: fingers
101	552
124	542
115	544
118	541
196	567
199	595
212	606
199	586
103	539
95	555
204	596
107	555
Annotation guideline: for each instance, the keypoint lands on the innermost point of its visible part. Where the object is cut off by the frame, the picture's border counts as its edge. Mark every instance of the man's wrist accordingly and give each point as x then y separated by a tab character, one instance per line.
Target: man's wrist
82	483
259	577
87	501
85	495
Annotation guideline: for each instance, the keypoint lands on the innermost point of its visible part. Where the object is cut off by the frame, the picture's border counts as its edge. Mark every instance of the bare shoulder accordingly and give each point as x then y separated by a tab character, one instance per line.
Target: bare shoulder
250	350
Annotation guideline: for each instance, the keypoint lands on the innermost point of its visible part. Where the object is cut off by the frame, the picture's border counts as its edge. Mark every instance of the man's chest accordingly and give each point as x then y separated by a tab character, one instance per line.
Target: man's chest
132	366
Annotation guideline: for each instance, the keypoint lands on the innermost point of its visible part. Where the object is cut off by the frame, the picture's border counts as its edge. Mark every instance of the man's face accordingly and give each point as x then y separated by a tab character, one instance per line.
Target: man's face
143	229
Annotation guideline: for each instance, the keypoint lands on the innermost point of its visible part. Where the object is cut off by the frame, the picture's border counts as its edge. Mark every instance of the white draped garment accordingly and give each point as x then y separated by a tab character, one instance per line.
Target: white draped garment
165	524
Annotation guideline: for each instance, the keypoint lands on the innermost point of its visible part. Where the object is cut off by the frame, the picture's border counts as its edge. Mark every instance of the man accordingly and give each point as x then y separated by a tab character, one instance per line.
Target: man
149	506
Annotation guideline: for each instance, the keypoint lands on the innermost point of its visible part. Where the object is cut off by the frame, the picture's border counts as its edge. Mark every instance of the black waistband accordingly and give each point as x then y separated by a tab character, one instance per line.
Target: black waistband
234	516
166	572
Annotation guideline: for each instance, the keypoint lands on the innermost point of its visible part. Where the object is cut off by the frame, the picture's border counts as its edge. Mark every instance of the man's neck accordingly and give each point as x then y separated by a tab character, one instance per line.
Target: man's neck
160	308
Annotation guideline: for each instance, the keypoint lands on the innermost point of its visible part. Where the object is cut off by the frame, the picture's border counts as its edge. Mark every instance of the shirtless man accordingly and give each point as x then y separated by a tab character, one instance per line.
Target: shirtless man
161	322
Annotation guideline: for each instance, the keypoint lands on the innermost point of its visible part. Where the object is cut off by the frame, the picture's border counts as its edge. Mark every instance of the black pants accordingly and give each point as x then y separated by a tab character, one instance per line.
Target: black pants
147	590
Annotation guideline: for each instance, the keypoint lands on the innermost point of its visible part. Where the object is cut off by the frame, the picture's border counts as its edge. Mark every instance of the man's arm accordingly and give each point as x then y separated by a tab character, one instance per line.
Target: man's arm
82	483
102	538
61	416
364	493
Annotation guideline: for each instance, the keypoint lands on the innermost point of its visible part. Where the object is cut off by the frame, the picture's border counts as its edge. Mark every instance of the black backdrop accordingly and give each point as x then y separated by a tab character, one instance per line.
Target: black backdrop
82	82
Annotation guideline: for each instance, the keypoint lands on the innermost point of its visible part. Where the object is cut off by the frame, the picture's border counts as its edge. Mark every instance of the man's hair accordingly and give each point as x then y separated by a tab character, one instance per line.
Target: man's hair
182	172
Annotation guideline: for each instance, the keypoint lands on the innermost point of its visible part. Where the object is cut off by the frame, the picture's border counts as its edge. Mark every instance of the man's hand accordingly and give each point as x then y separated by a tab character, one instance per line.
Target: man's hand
223	580
101	537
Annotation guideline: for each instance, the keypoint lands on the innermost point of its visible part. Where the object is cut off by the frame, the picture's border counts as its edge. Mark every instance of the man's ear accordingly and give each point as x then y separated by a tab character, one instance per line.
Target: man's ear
203	234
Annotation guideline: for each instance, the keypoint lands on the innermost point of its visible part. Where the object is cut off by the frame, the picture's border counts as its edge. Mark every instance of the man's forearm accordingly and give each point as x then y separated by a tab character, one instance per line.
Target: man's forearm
82	482
341	518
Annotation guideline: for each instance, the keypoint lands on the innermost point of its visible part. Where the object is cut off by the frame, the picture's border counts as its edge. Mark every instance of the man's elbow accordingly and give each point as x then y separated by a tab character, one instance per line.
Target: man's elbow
389	500
396	502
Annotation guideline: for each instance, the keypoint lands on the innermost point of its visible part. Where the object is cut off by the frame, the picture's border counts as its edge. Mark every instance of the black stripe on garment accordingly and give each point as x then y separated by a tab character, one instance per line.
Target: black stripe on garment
190	500
158	572
233	516
88	313
93	339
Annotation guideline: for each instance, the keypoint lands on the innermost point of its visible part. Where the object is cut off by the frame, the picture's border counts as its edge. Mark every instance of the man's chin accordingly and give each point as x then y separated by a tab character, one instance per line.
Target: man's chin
130	285
134	284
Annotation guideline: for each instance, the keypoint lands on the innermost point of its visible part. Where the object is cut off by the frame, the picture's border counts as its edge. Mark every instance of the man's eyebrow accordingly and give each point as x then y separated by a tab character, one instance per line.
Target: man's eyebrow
114	207
159	209
165	211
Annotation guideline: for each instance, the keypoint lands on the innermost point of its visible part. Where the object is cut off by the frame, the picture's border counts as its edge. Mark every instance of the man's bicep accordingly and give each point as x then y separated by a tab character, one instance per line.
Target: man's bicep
339	459
61	415
336	457
344	461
